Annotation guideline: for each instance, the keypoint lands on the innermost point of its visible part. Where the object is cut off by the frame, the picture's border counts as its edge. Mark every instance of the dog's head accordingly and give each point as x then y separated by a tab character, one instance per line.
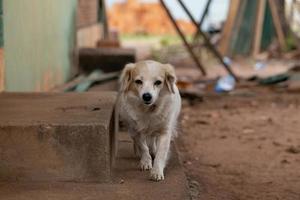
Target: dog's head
148	80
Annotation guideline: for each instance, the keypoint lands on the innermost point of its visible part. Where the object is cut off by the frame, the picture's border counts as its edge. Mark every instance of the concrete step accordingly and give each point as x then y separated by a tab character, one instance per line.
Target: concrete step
129	183
57	136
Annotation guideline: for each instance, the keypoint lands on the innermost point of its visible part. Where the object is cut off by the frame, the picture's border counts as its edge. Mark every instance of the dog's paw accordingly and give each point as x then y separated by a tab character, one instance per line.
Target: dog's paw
157	174
146	163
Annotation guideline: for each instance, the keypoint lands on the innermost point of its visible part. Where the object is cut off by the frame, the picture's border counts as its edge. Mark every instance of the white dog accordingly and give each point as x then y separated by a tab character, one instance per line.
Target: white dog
149	103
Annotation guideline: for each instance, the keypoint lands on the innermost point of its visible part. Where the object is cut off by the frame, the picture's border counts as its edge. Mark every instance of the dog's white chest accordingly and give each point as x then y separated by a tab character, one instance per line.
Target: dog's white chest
148	124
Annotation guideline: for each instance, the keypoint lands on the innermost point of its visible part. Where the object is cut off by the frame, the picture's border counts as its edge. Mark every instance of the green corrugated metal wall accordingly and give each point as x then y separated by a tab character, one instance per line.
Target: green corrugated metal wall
39	38
243	33
268	29
242	43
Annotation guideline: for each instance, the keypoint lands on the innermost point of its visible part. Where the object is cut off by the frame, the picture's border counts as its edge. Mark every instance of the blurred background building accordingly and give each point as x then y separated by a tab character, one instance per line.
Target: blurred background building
41	38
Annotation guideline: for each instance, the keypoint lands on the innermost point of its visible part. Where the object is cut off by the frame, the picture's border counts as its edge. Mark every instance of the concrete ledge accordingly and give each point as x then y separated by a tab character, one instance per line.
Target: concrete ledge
56	136
129	183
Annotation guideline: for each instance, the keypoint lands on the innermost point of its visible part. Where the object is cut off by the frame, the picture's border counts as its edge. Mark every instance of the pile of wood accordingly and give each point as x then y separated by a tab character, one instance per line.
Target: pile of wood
141	17
256	26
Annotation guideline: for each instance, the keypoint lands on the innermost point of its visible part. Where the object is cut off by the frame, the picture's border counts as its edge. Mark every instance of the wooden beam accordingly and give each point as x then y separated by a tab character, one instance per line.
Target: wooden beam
202	18
277	24
207	42
183	38
228	27
259	26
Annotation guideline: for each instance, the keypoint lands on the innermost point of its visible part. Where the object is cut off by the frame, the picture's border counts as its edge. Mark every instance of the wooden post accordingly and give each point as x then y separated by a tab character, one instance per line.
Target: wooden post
105	22
229	25
259	26
277	24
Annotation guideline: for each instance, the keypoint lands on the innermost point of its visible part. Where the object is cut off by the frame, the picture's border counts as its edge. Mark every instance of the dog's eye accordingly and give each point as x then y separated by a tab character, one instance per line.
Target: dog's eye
139	82
157	82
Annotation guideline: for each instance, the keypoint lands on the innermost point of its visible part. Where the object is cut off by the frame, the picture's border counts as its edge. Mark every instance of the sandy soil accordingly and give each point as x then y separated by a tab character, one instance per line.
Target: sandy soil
244	146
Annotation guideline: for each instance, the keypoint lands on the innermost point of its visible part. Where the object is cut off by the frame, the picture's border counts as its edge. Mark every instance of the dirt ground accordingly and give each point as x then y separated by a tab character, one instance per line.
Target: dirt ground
242	146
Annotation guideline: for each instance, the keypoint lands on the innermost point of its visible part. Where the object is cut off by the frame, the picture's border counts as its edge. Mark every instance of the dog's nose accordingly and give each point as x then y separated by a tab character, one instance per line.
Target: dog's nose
147	97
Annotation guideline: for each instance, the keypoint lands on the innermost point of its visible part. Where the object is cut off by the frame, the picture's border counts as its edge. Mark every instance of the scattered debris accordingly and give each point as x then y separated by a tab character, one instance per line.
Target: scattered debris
190	91
191	96
225	84
260	65
274	79
227	60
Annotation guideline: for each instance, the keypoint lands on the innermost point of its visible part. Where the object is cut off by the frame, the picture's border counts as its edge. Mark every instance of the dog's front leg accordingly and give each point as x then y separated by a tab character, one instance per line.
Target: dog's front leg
163	146
146	160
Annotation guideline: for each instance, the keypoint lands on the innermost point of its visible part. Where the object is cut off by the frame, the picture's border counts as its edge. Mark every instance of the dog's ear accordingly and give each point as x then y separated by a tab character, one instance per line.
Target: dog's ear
126	77
170	77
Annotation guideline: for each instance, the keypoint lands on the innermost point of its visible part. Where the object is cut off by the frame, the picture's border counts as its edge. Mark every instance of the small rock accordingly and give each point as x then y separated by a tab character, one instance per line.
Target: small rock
223	137
202	122
254	103
189	163
285	161
262	138
270	120
214	115
215	165
226	106
273	105
264	118
122	181
276	143
293	149
248	131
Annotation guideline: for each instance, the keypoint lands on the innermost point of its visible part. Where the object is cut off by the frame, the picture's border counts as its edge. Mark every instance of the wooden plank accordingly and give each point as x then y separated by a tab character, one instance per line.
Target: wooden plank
277	24
105	59
259	26
228	27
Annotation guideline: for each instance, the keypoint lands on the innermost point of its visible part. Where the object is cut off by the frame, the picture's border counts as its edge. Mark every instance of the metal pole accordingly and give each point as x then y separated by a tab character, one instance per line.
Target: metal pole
202	18
207	41
190	50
